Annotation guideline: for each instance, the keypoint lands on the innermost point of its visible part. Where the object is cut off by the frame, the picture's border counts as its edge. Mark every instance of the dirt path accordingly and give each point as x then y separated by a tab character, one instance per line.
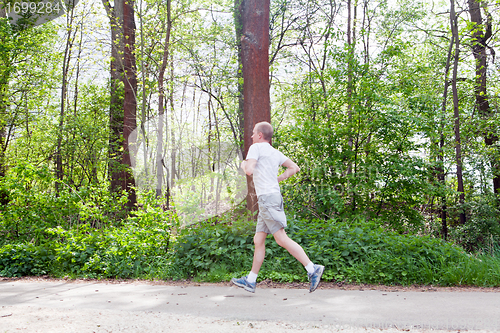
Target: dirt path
50	305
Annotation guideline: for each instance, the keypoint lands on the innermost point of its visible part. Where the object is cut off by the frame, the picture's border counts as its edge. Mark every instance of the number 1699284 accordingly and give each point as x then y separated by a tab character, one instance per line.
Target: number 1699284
30	7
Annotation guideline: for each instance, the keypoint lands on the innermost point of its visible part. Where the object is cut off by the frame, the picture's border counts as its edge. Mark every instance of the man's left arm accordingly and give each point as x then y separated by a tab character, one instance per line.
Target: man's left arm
291	169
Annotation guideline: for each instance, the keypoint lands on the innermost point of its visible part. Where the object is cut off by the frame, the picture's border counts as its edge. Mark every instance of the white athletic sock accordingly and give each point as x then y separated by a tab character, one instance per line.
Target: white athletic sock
252	277
310	267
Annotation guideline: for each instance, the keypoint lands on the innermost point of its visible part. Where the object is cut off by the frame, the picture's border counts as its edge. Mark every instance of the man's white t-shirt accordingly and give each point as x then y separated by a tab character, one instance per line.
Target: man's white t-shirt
265	175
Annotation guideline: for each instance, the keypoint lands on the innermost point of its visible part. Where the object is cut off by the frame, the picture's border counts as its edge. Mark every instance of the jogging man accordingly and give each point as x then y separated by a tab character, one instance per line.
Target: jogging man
263	162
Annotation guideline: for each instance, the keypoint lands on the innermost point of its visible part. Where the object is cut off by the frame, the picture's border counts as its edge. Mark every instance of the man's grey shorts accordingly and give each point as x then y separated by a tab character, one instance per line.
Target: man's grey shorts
271	216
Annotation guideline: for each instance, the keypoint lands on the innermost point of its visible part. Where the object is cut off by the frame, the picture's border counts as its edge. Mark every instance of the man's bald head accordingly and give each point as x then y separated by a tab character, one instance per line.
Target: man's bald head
266	129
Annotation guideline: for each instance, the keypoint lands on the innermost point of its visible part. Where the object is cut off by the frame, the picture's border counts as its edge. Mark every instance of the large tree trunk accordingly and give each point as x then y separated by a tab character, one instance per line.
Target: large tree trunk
130	100
481	33
458	145
255	65
238	25
115	15
123	96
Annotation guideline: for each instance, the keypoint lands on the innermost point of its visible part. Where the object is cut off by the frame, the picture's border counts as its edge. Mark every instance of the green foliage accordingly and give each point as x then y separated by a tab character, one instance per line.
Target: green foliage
138	247
112	253
33	205
145	247
356	252
124	252
358	152
24	260
482	230
366	253
202	248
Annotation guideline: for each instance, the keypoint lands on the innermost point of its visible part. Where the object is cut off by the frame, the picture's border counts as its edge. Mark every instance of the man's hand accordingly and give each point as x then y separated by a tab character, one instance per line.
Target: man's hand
249	166
291	169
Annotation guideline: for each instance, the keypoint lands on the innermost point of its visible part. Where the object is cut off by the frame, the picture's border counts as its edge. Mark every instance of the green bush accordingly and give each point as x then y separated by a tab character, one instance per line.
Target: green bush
482	230
148	246
205	248
137	247
24	259
355	252
33	205
125	252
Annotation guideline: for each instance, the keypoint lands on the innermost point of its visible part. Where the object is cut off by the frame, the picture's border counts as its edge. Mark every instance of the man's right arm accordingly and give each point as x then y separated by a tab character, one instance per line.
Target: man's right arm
248	166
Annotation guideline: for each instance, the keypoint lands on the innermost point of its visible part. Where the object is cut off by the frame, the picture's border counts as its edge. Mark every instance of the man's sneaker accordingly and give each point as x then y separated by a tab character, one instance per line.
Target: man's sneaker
243	283
315	277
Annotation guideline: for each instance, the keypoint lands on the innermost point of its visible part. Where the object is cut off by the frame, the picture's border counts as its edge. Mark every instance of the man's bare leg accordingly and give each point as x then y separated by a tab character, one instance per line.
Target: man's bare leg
259	252
291	246
249	282
314	271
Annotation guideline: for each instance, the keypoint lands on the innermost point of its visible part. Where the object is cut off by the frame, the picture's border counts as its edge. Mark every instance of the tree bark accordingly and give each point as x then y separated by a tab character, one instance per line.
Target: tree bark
115	15
144	68
64	88
481	33
238	25
440	157
458	145
130	100
255	66
123	96
351	43
5	69
161	105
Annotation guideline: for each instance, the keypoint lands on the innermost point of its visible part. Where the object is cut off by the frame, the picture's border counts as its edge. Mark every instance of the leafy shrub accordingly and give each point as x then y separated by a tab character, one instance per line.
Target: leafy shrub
146	246
482	230
33	206
136	248
357	252
202	248
379	178
113	252
24	259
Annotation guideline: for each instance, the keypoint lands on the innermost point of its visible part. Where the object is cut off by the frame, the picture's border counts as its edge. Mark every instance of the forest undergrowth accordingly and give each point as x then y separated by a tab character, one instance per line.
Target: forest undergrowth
150	244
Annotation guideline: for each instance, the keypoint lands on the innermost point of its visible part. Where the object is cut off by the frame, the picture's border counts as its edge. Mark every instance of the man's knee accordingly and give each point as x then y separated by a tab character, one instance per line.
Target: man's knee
281	237
259	239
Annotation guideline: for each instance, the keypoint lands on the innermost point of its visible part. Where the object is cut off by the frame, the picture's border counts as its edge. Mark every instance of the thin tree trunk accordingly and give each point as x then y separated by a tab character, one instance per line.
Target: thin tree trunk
351	42
349	75
440	169
5	68
75	114
458	146
367	28
161	104
173	154
64	87
144	102
170	178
